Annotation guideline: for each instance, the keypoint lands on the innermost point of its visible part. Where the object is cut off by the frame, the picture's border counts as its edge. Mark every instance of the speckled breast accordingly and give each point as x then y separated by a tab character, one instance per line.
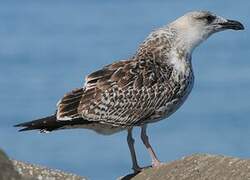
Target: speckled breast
182	89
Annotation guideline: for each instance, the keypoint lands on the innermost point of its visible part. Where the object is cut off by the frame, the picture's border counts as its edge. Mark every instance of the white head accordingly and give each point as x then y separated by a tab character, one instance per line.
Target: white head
195	27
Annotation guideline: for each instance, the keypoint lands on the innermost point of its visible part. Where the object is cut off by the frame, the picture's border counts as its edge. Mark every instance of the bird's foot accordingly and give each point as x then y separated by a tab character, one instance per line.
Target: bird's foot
137	169
140	169
157	164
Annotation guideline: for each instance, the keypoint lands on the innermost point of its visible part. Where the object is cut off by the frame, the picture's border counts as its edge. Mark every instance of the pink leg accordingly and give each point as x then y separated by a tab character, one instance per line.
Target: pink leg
130	141
144	137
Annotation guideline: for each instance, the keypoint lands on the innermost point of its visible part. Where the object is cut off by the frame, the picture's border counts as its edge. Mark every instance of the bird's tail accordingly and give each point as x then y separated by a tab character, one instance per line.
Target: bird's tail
50	123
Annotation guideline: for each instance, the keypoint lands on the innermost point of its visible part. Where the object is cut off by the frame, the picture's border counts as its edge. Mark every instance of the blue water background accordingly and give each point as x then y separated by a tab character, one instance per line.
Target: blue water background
48	47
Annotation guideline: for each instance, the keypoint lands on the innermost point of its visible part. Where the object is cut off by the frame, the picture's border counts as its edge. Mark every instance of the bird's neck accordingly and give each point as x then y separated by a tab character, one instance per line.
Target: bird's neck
187	37
164	43
164	47
180	60
157	45
187	43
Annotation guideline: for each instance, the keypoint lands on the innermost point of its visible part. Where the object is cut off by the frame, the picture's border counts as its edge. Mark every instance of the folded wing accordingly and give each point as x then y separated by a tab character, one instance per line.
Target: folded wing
121	94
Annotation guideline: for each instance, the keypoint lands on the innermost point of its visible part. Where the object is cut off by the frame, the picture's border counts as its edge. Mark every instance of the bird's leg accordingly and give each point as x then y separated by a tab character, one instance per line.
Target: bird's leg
144	137
131	141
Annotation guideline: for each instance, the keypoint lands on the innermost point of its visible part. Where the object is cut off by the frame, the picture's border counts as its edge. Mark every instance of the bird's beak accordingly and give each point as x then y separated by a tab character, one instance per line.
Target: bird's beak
231	24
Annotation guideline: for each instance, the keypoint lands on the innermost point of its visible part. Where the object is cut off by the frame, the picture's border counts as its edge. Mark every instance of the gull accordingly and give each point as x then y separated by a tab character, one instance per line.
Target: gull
146	88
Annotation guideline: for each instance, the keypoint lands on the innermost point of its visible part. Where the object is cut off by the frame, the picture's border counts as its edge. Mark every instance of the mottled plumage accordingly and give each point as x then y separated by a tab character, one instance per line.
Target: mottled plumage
133	92
146	88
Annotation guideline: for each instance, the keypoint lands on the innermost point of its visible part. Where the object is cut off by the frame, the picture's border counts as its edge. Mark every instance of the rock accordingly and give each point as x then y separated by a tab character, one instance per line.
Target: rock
7	170
198	167
30	171
16	170
195	167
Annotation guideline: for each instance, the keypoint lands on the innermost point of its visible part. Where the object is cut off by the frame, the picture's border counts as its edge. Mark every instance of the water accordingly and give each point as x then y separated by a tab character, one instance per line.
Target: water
46	49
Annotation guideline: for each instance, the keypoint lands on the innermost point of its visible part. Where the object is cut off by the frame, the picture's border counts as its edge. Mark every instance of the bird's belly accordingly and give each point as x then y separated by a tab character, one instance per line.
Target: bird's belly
104	129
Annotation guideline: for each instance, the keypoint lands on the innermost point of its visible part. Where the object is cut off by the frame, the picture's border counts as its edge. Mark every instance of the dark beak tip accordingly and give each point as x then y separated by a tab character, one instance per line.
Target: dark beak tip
235	25
239	26
242	27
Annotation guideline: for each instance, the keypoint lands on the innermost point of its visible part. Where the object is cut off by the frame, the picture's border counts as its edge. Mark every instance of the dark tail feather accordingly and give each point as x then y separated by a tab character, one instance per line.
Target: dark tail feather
50	123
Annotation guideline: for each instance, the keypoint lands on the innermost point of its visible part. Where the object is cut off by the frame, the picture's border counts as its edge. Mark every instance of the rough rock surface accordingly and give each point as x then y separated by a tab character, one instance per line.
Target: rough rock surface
30	171
16	170
198	167
7	170
195	167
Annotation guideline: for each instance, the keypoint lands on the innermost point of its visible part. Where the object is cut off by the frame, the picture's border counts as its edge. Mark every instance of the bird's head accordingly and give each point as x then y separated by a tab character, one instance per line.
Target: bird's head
196	26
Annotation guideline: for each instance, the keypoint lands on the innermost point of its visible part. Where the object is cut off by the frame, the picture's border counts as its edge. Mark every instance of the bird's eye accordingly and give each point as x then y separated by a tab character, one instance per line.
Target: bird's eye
209	18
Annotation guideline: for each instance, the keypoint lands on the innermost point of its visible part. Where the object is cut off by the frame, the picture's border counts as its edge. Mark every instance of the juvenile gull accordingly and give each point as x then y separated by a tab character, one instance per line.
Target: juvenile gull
146	88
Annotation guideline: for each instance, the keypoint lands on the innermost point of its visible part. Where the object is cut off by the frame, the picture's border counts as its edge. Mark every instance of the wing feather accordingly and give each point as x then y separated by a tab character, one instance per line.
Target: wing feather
68	105
121	94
